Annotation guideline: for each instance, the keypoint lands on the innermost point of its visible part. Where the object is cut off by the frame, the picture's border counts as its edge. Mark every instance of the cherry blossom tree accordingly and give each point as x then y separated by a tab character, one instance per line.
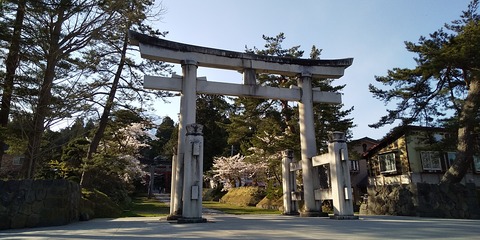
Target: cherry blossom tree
267	151
235	171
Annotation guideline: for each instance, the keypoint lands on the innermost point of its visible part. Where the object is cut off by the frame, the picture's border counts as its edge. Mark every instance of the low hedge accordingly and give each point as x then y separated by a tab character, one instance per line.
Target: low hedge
244	196
96	204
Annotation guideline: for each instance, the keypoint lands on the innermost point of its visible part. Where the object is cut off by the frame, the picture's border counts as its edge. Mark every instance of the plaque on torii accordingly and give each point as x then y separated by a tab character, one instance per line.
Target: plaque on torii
189	85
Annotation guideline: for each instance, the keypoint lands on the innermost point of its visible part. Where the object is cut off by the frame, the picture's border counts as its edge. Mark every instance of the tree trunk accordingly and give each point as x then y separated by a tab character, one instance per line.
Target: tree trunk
44	98
11	66
466	135
287	116
102	125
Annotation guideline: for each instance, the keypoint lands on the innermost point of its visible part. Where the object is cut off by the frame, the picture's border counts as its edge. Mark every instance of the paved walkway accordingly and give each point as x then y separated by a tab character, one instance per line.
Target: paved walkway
225	226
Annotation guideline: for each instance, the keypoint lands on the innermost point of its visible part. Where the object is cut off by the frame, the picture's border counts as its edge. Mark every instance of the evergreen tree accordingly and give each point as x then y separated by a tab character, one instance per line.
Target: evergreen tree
163	134
116	74
11	63
118	153
52	31
212	113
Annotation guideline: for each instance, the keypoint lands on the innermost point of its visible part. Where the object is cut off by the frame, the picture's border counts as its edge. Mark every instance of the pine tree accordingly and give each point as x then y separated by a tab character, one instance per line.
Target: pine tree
11	63
446	80
212	113
53	31
163	134
116	73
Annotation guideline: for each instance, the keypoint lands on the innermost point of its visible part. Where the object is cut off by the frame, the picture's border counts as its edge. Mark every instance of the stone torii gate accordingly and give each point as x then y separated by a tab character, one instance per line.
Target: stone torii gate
191	57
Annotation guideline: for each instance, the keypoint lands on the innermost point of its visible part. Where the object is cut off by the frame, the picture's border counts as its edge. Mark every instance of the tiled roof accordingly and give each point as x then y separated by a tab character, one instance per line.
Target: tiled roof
395	134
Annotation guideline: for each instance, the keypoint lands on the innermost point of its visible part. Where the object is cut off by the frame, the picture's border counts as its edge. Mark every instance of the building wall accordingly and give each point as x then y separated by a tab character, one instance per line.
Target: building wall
359	178
409	148
11	164
434	178
402	144
402	162
416	143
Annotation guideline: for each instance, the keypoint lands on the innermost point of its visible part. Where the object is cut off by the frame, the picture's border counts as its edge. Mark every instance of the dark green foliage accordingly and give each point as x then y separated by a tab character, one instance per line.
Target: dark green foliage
158	146
75	152
213	194
104	175
274	191
212	113
98	205
64	152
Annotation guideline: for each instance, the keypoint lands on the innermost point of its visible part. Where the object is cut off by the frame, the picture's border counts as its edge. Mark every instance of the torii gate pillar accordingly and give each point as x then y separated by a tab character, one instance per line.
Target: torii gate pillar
308	146
187	116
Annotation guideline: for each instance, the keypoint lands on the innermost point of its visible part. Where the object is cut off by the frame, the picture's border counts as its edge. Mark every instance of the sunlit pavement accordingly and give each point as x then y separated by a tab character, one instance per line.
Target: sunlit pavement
225	226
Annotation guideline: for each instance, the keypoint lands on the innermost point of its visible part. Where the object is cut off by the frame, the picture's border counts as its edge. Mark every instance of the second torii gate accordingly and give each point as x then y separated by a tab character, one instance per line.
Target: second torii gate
191	57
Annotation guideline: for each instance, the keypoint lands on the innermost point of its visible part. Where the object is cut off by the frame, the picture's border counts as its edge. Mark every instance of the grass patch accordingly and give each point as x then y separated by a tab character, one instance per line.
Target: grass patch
237	210
243	196
143	207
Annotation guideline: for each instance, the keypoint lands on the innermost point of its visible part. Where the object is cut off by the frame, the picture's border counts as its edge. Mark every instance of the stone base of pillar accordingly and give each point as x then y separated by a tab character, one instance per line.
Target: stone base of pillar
291	213
344	217
313	214
192	220
173	217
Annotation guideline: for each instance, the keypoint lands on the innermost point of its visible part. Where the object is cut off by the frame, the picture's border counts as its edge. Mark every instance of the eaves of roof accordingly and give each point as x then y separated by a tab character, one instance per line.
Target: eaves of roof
395	134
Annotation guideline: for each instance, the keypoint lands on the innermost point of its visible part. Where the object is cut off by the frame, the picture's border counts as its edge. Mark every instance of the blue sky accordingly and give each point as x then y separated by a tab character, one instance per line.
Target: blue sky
370	31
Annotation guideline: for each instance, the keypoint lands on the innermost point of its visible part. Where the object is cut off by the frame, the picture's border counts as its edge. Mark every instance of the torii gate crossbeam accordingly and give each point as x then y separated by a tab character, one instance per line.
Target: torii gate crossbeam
189	85
230	89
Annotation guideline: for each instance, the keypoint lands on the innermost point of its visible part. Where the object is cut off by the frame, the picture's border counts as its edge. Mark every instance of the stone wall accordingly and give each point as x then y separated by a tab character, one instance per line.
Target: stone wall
423	200
35	203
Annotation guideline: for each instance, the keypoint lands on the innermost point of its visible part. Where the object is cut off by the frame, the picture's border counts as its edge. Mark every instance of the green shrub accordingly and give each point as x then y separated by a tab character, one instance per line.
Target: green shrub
99	205
111	185
274	192
244	196
87	209
213	194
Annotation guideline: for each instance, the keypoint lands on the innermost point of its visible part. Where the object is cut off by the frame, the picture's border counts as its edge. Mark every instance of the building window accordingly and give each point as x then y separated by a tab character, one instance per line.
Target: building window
387	163
451	156
438	137
354	167
431	161
476	163
17	161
